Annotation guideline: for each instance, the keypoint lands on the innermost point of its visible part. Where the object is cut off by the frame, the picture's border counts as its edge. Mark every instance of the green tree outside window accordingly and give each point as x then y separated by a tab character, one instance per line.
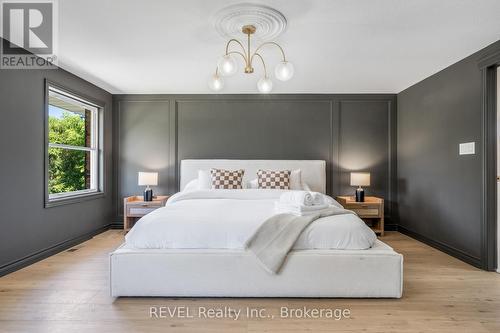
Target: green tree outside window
67	168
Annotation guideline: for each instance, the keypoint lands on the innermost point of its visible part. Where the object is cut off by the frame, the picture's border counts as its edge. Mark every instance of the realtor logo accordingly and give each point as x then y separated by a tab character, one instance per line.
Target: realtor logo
28	32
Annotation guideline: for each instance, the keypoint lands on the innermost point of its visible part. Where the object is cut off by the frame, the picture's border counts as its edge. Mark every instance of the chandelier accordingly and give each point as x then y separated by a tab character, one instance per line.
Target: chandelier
228	66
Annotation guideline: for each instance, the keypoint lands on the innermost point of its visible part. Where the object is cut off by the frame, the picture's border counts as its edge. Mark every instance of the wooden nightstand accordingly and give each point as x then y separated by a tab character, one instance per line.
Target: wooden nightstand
135	207
371	211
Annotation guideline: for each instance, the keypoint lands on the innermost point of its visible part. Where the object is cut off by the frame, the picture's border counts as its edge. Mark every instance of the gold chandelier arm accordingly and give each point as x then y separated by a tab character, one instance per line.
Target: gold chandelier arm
238	52
238	42
269	43
263	63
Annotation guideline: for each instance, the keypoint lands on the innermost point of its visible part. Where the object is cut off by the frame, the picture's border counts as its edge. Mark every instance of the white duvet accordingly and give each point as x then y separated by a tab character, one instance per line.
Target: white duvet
226	219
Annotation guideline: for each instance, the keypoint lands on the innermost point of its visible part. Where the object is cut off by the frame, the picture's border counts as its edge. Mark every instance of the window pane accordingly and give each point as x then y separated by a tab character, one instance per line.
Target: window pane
69	170
69	123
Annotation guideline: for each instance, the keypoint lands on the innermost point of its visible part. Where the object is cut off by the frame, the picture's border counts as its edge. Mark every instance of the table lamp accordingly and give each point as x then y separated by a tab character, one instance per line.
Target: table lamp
360	179
148	179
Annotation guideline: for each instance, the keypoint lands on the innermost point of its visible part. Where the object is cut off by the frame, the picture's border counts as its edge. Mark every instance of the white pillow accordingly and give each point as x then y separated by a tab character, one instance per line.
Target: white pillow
306	187
254	183
192	185
296	180
204	180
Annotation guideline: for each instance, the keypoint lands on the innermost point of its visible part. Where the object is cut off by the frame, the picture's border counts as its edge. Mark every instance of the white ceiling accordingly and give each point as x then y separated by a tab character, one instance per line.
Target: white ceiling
337	46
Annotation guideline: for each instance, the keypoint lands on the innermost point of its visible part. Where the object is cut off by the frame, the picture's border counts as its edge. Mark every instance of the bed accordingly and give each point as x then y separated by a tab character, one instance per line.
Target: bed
194	247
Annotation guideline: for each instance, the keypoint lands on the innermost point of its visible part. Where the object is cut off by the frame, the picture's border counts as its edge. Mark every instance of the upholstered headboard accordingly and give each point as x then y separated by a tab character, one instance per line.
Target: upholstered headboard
313	171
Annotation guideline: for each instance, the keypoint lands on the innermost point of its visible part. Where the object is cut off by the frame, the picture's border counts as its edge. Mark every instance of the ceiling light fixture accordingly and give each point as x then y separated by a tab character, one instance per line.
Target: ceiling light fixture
228	66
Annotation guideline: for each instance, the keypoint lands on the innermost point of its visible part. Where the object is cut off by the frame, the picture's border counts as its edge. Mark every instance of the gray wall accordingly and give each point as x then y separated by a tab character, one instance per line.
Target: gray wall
350	132
440	192
28	230
437	197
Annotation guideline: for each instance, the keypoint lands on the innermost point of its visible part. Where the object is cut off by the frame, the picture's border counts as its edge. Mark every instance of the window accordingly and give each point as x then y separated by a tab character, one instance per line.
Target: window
73	147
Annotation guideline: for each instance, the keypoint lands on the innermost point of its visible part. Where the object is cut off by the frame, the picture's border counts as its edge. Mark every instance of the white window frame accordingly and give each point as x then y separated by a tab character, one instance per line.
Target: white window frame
95	149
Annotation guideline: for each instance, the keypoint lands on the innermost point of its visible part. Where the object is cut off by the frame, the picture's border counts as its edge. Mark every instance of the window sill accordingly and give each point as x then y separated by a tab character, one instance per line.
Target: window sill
76	198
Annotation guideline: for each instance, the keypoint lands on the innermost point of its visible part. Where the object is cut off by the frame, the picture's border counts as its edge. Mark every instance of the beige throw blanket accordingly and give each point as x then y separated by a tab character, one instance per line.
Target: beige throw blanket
276	236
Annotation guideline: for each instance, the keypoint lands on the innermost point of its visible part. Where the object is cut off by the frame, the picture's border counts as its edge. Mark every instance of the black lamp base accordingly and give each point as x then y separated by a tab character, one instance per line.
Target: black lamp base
360	195
148	195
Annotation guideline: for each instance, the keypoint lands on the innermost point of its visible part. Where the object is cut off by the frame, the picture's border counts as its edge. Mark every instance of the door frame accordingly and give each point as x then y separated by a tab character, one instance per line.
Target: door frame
488	65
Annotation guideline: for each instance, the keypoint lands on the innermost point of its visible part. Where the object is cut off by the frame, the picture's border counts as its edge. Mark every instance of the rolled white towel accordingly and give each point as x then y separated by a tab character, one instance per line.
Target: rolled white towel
303	198
281	208
318	198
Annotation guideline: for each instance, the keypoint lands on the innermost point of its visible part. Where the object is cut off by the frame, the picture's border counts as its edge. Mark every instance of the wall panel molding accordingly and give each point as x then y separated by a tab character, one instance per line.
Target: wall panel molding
328	106
390	169
327	102
119	133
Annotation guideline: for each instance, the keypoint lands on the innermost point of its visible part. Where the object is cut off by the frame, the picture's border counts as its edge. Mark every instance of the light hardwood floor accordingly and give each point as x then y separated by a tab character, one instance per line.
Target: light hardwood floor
69	293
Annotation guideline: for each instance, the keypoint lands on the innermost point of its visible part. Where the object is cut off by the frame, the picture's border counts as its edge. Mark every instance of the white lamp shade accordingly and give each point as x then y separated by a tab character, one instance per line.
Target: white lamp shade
148	178
360	179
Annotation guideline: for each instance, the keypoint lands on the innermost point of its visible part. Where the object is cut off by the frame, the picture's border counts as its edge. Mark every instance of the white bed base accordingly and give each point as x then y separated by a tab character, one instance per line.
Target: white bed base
377	272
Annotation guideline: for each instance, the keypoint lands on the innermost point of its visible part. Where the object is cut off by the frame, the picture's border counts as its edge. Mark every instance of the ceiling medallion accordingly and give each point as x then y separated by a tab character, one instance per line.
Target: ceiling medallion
269	22
255	18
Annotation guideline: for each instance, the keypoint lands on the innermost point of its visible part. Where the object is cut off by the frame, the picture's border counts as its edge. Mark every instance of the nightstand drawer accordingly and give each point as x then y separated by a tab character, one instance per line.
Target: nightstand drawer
135	207
371	210
366	211
140	211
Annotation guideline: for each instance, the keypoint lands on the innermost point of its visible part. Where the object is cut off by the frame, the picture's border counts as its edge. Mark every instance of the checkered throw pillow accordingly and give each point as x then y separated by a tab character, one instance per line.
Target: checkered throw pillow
274	179
227	179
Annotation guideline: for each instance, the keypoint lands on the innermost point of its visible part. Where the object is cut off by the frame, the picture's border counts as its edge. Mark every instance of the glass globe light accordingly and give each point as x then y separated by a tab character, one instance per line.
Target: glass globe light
227	65
216	83
265	85
284	71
